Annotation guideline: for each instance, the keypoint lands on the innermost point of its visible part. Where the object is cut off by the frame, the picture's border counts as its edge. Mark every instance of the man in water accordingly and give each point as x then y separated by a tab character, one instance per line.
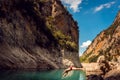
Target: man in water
72	68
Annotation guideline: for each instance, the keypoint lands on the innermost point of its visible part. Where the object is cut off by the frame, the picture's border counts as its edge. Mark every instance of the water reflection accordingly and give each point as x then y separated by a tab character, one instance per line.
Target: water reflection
41	75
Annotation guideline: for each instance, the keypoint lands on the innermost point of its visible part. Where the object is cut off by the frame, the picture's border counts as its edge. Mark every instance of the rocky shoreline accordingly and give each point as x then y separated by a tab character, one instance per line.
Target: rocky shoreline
93	72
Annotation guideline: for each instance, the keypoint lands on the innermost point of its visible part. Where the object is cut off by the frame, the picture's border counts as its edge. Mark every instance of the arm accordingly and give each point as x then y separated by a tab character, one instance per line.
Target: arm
67	70
74	68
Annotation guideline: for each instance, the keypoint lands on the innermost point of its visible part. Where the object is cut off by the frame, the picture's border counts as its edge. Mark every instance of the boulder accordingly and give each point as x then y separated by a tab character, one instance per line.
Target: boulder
103	64
94	77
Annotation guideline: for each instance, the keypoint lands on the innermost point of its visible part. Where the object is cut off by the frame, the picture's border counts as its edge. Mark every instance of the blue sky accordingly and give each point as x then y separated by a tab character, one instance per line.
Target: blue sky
92	16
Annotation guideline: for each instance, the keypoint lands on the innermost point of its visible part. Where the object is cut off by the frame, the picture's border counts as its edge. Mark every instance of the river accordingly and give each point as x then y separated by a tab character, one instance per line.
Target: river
42	75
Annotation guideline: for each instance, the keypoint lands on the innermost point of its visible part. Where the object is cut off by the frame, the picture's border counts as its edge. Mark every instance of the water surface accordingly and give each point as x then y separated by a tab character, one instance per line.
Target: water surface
42	75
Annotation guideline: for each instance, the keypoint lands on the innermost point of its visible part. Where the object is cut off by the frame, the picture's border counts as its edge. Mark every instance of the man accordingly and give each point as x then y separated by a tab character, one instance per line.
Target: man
72	68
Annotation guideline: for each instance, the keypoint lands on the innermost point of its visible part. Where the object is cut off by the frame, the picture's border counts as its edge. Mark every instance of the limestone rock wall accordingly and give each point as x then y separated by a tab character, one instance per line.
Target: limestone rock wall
37	34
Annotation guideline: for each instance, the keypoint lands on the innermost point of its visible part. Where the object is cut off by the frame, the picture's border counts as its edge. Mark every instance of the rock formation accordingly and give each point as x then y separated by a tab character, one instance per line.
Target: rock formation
112	75
107	43
37	34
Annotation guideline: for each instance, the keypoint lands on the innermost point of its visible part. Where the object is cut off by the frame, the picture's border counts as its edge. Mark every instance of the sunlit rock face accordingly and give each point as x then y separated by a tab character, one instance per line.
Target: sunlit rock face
107	43
37	34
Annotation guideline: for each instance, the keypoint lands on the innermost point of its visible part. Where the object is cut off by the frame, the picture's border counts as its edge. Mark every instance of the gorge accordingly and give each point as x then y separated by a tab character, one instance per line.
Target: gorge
106	43
103	54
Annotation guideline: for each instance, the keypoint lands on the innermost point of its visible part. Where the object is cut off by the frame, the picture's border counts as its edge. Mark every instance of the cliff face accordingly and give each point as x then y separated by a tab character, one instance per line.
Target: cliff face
107	43
38	34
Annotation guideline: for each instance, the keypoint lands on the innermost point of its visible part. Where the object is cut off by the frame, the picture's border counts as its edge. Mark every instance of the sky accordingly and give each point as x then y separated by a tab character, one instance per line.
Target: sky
93	16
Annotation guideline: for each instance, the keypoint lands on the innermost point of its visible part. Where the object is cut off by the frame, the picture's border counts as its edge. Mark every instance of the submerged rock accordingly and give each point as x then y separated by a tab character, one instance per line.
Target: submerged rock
94	77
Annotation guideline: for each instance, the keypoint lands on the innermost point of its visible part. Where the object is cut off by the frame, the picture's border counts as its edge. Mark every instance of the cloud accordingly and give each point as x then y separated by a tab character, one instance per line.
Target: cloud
99	8
102	6
119	6
73	4
85	44
83	47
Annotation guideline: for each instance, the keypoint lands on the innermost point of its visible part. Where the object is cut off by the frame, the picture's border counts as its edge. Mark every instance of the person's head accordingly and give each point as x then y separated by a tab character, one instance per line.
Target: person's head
71	66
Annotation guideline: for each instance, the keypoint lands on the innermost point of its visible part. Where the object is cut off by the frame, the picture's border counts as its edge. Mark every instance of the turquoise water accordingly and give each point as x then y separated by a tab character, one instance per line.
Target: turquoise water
42	75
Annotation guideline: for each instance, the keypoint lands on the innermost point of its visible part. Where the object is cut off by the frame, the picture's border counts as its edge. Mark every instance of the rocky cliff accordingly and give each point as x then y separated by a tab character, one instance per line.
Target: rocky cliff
107	43
37	34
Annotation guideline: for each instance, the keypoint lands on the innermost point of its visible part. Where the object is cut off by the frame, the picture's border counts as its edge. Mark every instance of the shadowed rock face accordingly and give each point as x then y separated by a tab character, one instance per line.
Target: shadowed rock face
37	34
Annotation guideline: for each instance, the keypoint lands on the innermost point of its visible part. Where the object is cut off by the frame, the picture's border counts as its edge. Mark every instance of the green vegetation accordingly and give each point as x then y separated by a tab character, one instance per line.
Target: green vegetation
88	58
59	35
64	40
84	58
94	58
72	44
49	23
107	54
